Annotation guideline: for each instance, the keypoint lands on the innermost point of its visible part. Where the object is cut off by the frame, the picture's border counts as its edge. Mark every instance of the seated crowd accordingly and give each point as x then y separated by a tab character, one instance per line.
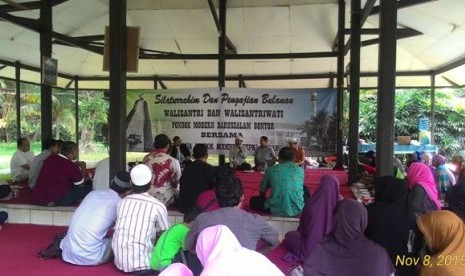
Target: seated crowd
335	236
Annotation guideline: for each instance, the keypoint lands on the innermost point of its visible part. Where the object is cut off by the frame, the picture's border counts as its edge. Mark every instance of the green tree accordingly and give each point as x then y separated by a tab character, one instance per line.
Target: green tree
7	111
30	111
63	113
367	115
92	113
413	104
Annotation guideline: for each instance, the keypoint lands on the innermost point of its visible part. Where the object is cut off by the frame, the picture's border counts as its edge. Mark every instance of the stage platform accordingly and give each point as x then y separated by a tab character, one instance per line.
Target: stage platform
21	209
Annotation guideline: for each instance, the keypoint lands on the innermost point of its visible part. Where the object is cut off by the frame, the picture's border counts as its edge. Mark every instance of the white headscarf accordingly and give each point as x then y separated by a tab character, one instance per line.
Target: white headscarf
220	253
176	269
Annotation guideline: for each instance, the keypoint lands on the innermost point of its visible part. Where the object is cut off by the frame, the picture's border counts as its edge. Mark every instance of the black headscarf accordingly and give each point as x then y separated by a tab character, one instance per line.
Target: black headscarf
388	222
456	200
389	189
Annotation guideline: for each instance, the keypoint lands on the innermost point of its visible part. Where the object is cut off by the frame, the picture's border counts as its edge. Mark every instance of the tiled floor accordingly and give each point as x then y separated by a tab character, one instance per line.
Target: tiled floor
61	216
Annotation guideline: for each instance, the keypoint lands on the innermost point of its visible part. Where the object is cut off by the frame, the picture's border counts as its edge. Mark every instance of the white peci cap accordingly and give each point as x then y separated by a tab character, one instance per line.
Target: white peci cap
292	141
141	175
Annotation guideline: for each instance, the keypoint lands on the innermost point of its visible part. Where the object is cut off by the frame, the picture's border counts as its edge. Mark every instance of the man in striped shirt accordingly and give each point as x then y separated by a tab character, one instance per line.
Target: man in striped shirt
139	217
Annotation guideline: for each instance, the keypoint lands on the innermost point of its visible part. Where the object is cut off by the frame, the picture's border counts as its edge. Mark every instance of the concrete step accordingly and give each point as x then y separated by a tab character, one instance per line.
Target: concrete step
61	216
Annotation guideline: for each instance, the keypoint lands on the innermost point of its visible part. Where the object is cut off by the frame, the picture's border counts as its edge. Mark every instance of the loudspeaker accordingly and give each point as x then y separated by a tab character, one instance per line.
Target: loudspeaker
49	70
132	49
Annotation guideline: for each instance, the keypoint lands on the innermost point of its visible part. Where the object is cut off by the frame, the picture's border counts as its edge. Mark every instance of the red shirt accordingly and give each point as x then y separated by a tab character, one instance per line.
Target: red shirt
369	169
205	198
56	178
299	155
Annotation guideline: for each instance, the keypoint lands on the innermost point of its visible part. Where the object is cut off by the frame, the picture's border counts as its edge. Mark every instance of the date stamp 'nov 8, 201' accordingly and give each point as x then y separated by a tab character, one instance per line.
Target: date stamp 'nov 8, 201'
439	260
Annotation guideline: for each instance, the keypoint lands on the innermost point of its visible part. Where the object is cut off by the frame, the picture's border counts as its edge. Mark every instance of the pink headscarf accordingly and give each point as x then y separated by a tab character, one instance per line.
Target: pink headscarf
220	253
420	174
176	269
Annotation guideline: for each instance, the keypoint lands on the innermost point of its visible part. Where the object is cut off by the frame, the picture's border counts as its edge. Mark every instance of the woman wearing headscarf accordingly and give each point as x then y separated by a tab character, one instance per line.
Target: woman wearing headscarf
456	200
176	269
346	251
316	220
444	178
426	159
388	225
423	195
220	253
445	236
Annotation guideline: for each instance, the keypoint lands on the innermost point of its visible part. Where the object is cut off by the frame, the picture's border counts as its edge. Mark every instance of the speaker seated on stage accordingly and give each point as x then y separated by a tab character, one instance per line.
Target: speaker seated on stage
237	155
180	151
264	155
299	152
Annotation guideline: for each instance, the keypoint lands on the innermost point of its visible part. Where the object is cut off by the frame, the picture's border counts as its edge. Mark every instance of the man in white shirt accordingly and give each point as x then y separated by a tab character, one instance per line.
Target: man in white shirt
165	169
102	175
21	161
237	155
49	147
139	217
85	242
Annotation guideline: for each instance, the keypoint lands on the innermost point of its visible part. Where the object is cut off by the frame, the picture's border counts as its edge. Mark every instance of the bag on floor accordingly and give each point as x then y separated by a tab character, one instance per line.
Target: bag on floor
52	251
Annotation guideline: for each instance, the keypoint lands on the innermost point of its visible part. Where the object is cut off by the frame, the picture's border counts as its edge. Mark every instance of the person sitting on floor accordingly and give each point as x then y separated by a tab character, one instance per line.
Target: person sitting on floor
456	200
346	251
248	228
444	234
62	180
237	155
206	201
3	218
166	171
220	253
176	269
21	161
101	179
458	164
180	151
6	193
171	242
85	242
196	178
388	225
316	221
286	182
139	217
49	147
445	179
399	169
264	155
298	152
423	195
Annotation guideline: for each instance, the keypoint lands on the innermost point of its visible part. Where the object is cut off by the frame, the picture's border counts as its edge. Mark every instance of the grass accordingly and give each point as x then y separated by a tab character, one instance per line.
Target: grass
91	158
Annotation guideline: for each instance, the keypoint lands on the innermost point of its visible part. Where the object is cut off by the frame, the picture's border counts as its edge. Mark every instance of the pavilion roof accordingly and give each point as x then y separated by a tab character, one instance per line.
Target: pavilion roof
174	27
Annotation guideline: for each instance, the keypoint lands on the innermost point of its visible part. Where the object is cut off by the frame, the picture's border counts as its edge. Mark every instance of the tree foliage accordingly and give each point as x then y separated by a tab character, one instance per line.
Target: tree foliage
91	105
92	114
411	105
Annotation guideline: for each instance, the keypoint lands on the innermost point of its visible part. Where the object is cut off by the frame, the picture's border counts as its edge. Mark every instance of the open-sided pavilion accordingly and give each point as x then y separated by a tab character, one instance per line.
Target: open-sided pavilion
383	44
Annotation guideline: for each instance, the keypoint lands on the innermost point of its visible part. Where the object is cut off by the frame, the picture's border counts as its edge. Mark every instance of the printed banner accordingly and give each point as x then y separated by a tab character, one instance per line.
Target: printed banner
215	118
